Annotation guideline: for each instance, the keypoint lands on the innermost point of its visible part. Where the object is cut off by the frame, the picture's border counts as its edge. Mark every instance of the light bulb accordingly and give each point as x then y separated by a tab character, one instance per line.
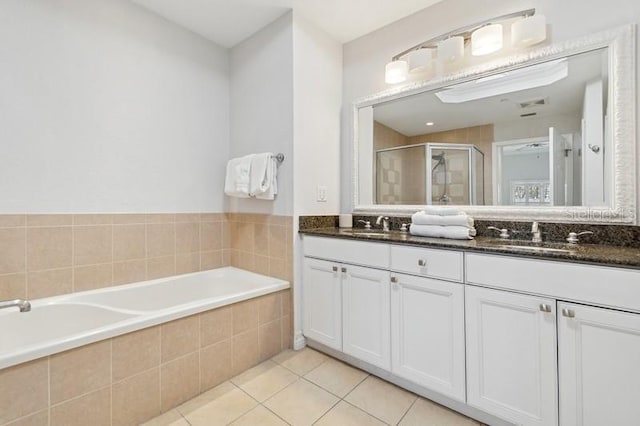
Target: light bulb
528	31
419	60
486	40
451	49
396	72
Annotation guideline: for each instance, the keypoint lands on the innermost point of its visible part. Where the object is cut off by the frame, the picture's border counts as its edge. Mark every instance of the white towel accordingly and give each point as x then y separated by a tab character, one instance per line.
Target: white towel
272	178
261	174
421	218
238	176
435	231
442	211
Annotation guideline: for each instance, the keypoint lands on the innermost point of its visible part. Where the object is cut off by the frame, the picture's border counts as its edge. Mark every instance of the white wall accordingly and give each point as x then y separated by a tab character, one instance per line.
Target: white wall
317	100
534	127
262	108
364	58
106	107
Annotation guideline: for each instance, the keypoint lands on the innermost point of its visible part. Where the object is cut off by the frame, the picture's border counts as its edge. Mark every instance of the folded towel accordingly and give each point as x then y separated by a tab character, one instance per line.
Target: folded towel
267	174
435	231
260	173
238	177
442	211
421	218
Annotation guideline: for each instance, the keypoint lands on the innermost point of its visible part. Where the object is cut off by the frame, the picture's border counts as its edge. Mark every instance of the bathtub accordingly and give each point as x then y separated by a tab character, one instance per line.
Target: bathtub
56	324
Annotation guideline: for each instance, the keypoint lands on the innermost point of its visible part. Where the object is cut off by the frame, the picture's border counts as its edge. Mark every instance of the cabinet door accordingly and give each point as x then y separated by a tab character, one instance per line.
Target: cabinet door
599	356
322	302
366	316
511	356
427	333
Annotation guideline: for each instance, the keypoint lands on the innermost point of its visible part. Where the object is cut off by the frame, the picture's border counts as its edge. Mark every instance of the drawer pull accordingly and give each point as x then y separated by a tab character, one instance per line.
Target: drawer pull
422	262
335	269
569	313
343	269
545	308
394	279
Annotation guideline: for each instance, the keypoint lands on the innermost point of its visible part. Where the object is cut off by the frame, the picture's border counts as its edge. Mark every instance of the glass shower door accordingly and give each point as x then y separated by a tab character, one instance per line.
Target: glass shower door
450	176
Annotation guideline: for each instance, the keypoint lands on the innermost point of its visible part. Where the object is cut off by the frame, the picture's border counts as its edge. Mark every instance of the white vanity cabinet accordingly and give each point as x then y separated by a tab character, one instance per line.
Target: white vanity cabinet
427	333
511	341
527	341
511	355
322	302
345	296
599	366
365	315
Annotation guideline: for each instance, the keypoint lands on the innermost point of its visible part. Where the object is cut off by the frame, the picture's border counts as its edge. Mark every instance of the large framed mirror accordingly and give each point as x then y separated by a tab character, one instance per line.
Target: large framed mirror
544	135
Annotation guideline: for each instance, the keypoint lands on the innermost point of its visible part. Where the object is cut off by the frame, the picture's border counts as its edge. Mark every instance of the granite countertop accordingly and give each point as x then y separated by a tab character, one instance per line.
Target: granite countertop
595	254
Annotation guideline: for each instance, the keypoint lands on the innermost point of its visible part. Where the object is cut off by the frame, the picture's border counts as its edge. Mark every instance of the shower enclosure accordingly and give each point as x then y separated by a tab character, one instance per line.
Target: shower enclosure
430	173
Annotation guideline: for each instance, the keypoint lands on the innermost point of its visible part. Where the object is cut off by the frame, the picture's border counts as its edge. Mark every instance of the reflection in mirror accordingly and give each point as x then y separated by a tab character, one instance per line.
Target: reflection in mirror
534	136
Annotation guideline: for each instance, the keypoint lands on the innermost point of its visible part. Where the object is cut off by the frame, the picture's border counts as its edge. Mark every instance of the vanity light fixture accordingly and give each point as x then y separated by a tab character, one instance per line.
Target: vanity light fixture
486	37
396	72
429	123
486	40
528	31
451	49
419	60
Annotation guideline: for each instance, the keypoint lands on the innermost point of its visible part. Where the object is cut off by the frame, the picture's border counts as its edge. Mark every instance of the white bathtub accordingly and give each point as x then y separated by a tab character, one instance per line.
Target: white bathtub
56	324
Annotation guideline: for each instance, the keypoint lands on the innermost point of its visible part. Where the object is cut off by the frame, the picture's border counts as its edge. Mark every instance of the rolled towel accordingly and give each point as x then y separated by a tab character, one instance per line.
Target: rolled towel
442	211
420	218
435	231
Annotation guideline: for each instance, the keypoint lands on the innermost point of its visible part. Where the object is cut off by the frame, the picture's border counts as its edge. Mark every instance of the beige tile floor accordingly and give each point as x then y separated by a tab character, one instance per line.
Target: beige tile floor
308	388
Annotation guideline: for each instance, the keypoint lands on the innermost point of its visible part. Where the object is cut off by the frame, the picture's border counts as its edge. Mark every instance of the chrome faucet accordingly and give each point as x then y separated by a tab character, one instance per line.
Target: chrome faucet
385	222
535	231
24	305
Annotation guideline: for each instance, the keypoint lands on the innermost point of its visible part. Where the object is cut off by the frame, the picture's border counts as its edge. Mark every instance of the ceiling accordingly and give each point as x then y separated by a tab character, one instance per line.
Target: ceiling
228	22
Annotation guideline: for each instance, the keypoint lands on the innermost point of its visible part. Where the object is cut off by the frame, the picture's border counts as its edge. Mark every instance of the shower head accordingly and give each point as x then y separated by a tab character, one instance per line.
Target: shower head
438	157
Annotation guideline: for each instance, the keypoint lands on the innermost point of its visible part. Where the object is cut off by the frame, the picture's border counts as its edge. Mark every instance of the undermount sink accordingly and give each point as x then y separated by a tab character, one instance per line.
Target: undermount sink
535	249
364	232
524	246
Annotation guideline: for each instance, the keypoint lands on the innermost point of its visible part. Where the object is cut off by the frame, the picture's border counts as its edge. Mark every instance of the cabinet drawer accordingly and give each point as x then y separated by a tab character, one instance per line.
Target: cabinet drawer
444	264
348	251
592	284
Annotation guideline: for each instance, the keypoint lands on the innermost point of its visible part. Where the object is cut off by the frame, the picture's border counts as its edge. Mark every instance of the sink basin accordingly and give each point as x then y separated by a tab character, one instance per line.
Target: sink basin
364	232
524	246
534	249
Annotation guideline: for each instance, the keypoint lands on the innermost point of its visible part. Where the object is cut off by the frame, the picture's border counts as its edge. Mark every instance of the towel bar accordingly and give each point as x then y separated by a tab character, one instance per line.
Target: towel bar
279	158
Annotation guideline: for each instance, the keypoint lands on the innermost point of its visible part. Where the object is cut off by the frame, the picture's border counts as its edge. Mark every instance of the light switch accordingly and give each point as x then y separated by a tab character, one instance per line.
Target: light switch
321	194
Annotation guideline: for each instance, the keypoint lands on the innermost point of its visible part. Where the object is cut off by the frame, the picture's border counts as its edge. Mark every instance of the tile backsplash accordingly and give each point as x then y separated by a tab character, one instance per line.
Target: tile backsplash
51	254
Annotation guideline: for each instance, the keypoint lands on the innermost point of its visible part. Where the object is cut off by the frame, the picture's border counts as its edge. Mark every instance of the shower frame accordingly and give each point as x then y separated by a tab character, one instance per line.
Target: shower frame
429	147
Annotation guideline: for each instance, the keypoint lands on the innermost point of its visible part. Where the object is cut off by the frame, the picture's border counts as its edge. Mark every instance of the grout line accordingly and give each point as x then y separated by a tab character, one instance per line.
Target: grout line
371	415
408	409
359	383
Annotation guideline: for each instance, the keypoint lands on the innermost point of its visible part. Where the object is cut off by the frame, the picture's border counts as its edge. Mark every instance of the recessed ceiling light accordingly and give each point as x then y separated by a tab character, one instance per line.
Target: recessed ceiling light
429	123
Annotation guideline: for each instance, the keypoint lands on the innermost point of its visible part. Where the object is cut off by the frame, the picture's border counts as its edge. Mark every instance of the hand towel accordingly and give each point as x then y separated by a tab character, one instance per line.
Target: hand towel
260	179
272	176
270	185
237	178
442	210
435	231
421	218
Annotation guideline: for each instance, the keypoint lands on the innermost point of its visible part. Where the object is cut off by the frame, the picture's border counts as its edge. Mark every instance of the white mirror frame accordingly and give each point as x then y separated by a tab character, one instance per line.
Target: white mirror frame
622	90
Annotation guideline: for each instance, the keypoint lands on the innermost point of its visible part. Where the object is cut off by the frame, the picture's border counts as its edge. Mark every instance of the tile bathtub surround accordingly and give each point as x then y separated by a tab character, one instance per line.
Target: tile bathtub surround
51	254
304	388
132	378
262	244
